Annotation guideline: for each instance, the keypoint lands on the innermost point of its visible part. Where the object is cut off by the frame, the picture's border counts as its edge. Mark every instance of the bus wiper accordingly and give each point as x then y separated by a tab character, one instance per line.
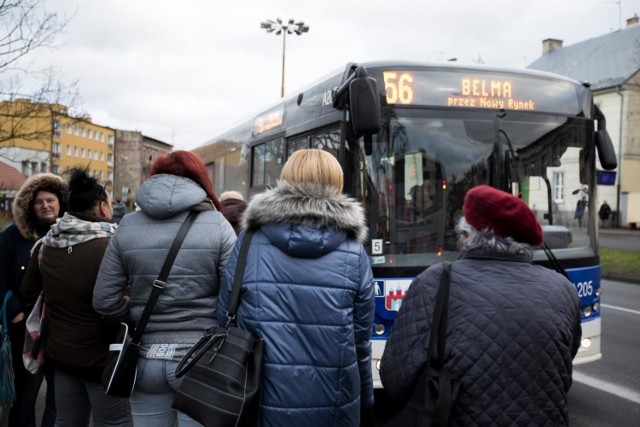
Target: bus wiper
512	155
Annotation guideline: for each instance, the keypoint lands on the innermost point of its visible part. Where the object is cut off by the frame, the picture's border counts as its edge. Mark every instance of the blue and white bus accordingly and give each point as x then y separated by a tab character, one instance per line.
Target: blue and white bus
412	138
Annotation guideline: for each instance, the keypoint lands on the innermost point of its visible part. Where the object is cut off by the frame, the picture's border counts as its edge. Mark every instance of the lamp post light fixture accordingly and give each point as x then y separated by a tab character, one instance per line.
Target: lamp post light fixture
291	27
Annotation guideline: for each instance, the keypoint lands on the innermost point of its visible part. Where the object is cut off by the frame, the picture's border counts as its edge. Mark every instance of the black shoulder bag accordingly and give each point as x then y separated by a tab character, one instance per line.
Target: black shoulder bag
119	375
436	391
223	371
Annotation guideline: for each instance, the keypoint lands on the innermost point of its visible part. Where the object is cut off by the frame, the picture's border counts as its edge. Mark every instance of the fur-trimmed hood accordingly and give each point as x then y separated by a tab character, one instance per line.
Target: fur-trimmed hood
22	214
307	204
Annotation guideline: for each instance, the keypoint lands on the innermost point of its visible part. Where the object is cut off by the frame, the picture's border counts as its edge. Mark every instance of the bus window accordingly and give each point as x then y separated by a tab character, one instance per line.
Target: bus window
327	141
268	159
295	144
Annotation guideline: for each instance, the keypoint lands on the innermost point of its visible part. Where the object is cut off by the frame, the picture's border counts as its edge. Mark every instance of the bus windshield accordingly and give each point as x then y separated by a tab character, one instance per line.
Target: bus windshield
424	161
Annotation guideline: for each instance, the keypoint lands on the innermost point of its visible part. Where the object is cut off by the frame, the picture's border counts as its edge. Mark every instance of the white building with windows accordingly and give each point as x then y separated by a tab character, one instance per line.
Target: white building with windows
611	64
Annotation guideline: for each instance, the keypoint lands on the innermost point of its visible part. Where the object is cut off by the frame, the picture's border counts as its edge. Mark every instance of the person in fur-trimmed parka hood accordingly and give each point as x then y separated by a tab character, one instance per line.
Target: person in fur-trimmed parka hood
40	201
307	291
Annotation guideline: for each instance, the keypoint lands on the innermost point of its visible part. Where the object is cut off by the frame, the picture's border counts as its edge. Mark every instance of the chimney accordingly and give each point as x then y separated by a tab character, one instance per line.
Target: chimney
549	44
633	21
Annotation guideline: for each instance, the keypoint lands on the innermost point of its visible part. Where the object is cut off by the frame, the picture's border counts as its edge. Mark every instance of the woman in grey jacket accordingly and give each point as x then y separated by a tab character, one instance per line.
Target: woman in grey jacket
307	290
187	305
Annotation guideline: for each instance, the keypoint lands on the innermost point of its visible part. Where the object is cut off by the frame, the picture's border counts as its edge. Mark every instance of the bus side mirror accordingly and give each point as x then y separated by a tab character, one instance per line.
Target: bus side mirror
606	153
364	106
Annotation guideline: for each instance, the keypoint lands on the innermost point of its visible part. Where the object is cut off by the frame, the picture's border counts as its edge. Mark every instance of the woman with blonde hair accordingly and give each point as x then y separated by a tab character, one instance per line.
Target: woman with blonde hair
187	304
307	290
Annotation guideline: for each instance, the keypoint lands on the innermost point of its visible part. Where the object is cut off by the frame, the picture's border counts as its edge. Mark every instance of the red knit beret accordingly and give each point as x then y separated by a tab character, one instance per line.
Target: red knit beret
505	214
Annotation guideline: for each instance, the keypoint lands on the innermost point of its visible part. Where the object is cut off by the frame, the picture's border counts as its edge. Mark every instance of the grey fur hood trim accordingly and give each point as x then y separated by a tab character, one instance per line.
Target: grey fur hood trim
307	204
22	215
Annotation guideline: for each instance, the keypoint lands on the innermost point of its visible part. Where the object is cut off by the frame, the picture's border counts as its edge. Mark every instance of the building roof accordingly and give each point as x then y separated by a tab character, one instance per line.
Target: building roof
10	178
604	61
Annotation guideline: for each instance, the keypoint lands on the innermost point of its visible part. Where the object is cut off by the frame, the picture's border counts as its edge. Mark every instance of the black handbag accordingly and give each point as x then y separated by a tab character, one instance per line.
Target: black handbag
119	375
223	371
436	391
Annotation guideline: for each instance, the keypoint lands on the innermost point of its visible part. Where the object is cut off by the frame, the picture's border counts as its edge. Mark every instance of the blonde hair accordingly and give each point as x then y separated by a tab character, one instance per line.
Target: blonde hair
231	195
313	166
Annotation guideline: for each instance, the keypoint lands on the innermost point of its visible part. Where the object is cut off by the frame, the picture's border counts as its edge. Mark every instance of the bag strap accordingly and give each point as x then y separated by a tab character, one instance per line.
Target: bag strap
238	276
5	326
160	282
438	337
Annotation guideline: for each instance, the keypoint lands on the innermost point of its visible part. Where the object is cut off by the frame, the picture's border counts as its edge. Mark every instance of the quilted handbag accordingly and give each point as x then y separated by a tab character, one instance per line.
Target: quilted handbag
223	371
436	391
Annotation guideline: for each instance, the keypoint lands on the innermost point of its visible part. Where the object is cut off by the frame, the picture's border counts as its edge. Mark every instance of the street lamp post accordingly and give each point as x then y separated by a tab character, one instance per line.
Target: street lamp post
290	27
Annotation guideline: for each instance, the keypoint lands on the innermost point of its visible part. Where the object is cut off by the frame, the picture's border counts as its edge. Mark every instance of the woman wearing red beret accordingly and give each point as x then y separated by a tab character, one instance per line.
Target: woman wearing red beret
513	326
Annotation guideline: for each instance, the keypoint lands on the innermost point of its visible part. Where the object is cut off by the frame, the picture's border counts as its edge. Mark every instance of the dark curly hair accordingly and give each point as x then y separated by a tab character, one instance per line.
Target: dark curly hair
85	191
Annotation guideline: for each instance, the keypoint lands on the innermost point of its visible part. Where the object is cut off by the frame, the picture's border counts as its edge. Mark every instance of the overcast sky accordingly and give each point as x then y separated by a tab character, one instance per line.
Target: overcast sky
183	71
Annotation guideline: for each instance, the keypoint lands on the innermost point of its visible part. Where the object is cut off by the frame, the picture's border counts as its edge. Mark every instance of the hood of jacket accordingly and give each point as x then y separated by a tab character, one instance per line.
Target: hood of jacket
290	214
23	216
164	195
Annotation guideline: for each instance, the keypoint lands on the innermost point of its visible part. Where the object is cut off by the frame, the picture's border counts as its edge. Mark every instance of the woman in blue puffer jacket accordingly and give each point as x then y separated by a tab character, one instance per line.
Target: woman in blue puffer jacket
307	290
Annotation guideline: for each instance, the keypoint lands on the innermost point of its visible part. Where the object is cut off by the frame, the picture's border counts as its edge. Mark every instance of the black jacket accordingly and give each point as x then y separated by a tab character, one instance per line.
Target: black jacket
513	330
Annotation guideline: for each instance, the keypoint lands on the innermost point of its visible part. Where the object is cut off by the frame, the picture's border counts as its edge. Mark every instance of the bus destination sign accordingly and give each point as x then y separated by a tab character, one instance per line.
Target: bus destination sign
466	89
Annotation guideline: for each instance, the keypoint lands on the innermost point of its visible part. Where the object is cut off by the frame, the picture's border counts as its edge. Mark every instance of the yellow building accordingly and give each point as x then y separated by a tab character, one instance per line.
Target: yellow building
45	138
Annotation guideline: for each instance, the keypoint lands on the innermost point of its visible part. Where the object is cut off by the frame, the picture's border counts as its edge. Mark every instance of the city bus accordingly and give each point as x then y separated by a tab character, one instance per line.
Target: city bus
412	138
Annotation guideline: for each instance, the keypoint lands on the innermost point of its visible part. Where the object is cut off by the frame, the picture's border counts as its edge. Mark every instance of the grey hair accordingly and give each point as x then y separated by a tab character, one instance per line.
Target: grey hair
470	237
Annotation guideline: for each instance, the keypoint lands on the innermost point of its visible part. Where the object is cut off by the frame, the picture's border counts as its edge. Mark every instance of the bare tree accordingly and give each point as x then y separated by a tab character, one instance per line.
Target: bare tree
26	26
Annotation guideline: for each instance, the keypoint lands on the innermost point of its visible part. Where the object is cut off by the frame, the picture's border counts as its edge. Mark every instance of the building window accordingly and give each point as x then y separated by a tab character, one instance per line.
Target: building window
110	139
558	187
69	131
56	150
68	149
84	133
56	128
89	153
77	129
75	151
55	169
82	153
102	137
102	156
109	158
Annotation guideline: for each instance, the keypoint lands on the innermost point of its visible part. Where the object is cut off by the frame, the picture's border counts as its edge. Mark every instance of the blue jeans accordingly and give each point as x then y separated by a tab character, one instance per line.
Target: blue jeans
153	396
77	399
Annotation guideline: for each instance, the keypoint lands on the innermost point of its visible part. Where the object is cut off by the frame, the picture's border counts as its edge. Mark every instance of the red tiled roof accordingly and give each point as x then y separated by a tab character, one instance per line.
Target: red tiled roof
10	178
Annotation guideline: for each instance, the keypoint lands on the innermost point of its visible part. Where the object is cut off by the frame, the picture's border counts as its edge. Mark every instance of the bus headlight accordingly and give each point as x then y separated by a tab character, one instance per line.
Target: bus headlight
585	343
596	306
598	292
379	329
587	311
378	364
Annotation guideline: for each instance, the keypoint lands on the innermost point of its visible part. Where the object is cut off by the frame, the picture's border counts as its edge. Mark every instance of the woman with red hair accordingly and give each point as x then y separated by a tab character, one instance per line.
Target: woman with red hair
187	304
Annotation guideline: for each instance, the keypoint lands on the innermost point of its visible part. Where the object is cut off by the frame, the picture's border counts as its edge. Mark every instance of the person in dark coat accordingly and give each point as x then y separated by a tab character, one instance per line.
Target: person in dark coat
233	206
604	213
37	205
513	326
77	342
308	292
